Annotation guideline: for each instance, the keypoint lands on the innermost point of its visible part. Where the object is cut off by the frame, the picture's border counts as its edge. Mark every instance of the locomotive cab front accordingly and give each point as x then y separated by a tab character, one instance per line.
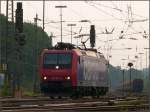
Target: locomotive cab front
56	72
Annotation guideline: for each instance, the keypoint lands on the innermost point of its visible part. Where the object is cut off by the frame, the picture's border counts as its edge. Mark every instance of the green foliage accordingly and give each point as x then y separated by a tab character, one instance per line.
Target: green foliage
5	89
147	85
25	67
116	75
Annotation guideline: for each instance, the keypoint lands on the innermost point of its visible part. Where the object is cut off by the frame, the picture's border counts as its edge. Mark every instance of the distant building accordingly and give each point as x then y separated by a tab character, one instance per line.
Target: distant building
1	80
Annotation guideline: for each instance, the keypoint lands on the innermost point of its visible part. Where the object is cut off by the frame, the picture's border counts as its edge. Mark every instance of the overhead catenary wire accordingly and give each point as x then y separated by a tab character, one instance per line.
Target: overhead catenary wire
114	8
28	21
137	31
120	10
105	12
114	4
77	21
128	25
75	12
63	29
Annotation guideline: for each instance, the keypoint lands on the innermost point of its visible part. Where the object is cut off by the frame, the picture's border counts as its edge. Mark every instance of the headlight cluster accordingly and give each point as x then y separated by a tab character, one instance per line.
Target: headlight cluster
45	78
68	78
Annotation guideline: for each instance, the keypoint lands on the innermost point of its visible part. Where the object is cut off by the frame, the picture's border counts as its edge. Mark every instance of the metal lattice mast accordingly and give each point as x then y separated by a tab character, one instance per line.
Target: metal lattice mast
0	6
10	10
35	68
9	33
0	36
43	15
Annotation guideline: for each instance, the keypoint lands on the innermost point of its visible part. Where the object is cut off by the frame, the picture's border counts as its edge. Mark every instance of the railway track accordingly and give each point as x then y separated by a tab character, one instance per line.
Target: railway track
84	104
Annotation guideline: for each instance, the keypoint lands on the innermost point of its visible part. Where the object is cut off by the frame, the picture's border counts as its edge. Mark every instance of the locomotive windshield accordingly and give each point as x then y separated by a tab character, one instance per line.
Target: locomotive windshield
60	60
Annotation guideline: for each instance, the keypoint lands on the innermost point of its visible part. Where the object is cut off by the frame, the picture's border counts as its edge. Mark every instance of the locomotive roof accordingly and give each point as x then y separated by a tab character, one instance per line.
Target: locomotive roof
92	54
82	52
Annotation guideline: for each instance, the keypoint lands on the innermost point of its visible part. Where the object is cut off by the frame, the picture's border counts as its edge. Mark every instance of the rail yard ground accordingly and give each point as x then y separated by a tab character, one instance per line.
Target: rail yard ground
45	104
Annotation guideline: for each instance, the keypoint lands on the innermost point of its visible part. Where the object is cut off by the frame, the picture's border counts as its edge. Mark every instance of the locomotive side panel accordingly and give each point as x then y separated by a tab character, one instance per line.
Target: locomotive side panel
92	72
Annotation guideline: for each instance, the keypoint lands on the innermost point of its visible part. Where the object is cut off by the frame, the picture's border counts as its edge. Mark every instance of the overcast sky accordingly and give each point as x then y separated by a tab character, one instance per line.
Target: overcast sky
104	15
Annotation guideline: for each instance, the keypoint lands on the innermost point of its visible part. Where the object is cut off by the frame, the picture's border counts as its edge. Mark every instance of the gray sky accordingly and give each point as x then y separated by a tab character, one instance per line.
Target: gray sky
103	14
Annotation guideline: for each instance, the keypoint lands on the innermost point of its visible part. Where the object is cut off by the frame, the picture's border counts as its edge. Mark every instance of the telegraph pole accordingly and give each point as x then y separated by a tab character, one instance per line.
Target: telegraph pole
123	80
130	65
141	63
0	35
36	19
149	58
60	18
9	32
71	30
43	15
149	63
0	6
146	62
20	39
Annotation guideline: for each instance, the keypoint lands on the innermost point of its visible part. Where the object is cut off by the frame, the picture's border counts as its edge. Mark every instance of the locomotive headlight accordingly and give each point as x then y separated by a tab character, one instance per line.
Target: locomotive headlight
57	67
68	78
45	78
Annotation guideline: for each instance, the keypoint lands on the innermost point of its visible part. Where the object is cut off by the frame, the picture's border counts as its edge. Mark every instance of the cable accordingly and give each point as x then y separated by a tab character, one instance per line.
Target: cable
120	10
94	20
116	8
76	13
114	4
136	31
105	12
108	7
63	29
65	35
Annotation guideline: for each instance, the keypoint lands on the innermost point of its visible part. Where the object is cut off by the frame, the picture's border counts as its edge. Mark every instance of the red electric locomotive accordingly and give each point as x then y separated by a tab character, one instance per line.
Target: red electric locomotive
69	70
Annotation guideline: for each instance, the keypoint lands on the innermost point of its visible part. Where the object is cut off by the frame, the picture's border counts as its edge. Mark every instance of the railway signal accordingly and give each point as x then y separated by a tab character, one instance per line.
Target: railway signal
130	65
19	18
71	25
92	36
20	37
